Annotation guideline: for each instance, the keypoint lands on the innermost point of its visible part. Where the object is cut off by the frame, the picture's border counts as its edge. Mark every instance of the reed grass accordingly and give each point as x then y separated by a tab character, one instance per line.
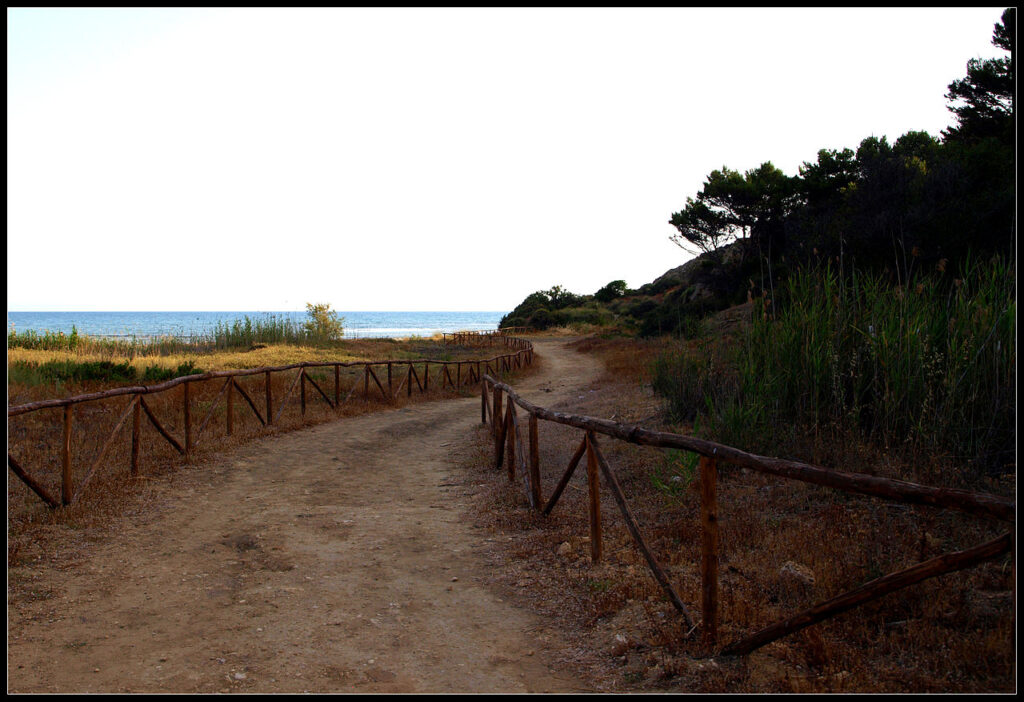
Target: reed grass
927	366
245	332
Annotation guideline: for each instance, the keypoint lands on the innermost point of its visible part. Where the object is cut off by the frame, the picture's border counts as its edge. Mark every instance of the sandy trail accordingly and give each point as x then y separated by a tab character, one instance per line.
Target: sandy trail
334	558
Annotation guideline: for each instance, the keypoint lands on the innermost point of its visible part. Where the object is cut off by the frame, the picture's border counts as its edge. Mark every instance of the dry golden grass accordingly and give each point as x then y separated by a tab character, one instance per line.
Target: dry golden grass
950	634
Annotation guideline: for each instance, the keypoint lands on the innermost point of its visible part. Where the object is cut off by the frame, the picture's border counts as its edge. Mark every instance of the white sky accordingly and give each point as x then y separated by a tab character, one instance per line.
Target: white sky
421	159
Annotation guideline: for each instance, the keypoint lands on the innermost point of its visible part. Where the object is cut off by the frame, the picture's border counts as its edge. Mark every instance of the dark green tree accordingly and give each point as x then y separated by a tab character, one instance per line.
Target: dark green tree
984	101
734	206
614	289
702	230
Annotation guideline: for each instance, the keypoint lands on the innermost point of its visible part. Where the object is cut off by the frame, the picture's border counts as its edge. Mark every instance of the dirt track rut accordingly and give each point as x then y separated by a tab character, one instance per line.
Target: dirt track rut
335	558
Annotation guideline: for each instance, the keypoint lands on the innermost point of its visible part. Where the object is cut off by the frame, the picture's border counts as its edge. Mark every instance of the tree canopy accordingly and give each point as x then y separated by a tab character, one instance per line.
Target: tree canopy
920	199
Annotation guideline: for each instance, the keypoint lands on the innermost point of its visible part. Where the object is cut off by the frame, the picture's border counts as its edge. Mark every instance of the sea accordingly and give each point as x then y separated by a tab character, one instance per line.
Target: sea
144	325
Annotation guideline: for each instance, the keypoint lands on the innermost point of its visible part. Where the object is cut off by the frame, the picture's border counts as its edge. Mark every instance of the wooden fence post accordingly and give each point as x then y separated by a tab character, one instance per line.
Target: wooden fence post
337	386
136	434
499	429
594	502
510	438
188	421
302	390
709	548
230	404
65	484
496	413
483	403
366	381
391	393
408	382
270	403
535	463
426	376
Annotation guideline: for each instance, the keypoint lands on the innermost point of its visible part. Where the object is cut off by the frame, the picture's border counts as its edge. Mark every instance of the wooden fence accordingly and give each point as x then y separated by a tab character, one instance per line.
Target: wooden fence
449	374
509	448
489	337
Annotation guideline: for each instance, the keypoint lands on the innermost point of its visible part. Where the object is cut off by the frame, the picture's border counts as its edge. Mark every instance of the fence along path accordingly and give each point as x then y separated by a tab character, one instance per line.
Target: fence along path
449	374
523	458
509	449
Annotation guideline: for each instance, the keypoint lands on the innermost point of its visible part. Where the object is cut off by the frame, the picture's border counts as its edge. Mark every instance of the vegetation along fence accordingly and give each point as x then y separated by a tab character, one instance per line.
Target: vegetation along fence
509	448
448	374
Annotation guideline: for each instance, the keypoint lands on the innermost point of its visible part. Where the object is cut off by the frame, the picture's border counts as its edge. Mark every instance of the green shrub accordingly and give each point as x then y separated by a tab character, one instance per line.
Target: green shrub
323	324
74	370
540	319
155	373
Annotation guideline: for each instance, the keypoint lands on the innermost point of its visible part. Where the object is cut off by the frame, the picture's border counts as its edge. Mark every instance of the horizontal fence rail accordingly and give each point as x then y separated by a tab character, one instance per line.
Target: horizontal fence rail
389	378
508	443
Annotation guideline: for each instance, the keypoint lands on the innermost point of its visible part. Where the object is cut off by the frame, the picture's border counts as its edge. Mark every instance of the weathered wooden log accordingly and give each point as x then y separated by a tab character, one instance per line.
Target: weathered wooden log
496	413
350	392
284	402
103	451
499	429
709	548
229	407
375	380
416	377
535	497
897	490
209	413
66	492
31	482
159	427
634	530
573	462
521	458
309	379
483	403
398	390
940	565
510	446
252	405
186	397
593	500
136	435
270	400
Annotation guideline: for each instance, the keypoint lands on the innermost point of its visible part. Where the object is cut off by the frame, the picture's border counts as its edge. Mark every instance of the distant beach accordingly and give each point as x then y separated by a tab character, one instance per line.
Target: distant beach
194	324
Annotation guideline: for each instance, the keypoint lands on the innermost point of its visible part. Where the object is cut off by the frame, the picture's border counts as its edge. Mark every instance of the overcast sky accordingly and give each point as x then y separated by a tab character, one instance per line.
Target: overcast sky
421	159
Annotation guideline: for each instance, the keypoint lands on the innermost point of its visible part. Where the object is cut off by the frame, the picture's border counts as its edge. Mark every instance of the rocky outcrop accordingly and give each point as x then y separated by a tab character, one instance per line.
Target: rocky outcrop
695	273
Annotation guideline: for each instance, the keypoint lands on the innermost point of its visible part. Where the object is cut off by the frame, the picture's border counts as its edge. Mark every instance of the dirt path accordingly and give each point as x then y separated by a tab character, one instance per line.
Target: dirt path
334	558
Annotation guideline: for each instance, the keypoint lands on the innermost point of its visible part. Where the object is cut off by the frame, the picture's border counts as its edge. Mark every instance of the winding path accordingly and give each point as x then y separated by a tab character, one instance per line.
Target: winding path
336	558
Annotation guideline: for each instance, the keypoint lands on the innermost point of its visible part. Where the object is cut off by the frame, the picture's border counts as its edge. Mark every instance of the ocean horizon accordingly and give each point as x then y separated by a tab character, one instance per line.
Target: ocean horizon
143	324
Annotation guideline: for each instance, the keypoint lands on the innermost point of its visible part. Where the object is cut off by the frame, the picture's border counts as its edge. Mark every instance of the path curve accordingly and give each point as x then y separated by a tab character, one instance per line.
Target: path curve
336	558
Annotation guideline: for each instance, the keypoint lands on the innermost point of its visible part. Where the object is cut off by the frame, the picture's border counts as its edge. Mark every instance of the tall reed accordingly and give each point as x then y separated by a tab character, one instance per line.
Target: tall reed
930	365
239	333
